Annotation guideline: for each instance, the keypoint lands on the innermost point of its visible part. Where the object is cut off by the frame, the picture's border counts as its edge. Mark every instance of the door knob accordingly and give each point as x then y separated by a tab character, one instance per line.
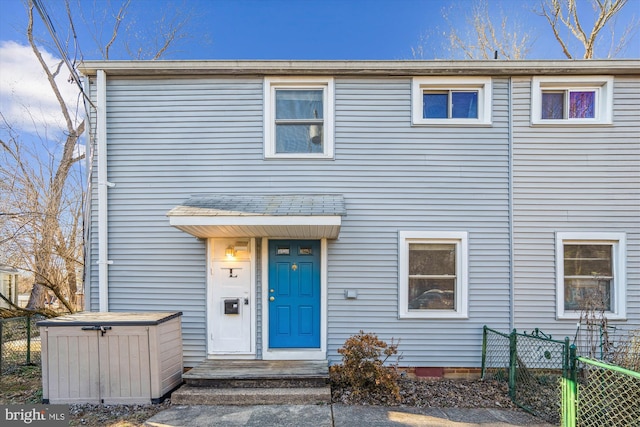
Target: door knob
271	290
272	298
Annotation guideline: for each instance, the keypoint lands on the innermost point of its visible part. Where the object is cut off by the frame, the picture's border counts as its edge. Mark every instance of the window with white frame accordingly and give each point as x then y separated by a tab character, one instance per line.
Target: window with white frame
571	100
451	101
591	274
298	117
433	279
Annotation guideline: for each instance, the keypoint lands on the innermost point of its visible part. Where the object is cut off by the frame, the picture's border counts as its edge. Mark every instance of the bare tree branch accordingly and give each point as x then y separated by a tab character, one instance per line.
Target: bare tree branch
564	15
484	38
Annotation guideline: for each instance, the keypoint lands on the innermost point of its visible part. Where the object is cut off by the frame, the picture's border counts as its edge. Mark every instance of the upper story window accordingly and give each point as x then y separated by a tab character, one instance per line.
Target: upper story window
433	275
591	274
298	118
451	101
571	100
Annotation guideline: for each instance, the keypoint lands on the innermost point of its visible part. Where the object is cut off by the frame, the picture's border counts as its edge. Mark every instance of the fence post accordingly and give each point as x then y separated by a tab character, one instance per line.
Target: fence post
513	361
569	387
28	340
484	350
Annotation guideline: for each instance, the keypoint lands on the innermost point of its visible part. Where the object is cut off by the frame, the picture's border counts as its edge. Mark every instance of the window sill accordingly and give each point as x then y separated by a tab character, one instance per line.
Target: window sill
575	315
433	316
568	123
451	122
296	156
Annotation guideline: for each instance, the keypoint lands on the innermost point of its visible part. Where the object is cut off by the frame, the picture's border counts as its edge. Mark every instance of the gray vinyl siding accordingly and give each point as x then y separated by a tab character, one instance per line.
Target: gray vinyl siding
397	177
171	138
578	179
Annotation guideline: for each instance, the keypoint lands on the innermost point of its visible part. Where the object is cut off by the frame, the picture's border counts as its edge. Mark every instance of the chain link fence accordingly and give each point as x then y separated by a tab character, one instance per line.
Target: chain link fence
606	395
548	379
533	364
19	343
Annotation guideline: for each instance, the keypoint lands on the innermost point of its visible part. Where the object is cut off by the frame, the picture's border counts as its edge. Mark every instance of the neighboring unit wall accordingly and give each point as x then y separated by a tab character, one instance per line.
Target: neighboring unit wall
171	138
397	177
573	179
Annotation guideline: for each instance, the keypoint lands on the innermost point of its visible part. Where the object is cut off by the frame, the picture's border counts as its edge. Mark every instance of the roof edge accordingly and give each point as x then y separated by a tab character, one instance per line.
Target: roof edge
362	67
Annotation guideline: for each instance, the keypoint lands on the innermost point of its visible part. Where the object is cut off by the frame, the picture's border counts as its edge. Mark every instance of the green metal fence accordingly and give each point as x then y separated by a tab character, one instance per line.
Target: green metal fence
599	394
592	393
19	343
533	364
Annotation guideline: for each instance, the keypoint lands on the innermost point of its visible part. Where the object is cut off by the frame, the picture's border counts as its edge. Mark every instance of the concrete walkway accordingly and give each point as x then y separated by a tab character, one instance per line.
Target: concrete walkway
337	415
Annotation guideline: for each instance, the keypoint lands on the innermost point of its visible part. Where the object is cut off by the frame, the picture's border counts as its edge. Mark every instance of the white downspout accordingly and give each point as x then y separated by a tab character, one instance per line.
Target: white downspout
512	289
103	184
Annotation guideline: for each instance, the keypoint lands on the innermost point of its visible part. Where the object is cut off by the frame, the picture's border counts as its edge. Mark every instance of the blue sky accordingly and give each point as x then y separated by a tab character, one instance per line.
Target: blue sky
306	29
251	29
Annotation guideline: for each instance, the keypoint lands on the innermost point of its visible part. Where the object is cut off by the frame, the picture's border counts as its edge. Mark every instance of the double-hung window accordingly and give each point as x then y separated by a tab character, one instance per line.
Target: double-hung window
298	118
433	275
571	100
591	274
451	101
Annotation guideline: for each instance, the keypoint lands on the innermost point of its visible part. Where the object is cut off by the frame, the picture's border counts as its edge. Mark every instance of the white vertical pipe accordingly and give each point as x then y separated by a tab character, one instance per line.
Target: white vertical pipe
103	242
512	275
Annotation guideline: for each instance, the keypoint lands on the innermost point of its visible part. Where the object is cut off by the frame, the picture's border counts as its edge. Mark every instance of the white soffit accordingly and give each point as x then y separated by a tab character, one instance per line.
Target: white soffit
300	216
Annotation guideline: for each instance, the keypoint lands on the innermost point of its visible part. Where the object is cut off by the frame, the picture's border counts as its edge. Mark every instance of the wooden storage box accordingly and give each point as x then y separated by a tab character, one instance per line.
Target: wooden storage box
111	357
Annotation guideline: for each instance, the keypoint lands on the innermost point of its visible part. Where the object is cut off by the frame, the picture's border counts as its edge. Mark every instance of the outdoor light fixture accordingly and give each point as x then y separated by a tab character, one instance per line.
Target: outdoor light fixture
229	252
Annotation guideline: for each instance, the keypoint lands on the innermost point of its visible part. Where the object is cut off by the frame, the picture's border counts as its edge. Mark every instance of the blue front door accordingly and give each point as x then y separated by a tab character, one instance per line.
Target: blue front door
294	294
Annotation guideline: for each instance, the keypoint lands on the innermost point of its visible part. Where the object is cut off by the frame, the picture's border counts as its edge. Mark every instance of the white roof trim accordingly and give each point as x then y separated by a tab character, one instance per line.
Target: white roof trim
293	227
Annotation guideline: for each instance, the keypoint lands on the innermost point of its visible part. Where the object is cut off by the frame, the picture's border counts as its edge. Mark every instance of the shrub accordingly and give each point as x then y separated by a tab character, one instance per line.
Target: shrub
363	369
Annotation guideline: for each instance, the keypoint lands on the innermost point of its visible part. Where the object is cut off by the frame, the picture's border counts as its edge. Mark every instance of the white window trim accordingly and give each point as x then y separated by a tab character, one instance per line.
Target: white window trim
270	86
460	239
619	259
602	85
421	84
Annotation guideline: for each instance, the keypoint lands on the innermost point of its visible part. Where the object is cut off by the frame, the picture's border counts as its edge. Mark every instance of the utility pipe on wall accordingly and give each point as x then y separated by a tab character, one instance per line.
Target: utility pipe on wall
103	184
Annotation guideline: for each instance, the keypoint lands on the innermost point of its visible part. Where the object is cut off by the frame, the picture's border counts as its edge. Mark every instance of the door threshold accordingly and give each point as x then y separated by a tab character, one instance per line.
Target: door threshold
251	356
289	354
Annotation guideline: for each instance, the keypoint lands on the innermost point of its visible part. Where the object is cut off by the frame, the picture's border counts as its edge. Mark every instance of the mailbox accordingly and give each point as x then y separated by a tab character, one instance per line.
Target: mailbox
232	306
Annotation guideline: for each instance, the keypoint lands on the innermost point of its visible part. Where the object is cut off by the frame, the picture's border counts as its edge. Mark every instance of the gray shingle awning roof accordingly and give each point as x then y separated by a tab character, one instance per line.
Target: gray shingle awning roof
307	216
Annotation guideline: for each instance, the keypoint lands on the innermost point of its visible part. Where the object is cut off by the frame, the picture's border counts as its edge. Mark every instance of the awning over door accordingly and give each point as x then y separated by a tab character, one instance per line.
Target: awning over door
294	216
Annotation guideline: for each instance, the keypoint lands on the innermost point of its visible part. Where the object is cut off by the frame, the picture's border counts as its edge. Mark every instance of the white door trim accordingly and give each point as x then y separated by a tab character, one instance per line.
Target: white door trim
287	354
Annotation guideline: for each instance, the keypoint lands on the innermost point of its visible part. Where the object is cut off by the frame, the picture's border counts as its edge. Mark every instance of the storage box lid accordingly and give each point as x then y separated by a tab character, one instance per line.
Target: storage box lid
112	318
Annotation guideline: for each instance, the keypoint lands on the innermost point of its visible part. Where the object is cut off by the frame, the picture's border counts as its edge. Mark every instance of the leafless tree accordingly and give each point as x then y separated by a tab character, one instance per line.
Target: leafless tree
482	37
566	21
42	197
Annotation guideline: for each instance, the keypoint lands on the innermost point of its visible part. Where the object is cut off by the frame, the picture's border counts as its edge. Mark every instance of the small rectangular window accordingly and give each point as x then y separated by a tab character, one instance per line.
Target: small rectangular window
588	276
567	100
433	275
591	274
299	120
552	105
298	117
581	105
283	250
451	105
435	105
451	101
305	251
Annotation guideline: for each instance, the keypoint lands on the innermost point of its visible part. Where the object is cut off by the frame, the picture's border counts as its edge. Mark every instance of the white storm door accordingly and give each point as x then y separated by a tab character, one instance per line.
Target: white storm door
230	328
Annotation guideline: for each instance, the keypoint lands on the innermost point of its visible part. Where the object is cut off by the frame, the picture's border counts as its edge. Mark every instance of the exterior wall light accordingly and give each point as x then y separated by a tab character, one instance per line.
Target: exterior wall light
230	252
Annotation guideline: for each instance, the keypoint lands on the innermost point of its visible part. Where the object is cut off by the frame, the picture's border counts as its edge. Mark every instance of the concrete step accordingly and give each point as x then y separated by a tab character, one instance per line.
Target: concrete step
189	395
258	374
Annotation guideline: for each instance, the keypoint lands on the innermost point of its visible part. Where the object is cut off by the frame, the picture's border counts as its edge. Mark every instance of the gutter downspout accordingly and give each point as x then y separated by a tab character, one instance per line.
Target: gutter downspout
103	184
510	214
